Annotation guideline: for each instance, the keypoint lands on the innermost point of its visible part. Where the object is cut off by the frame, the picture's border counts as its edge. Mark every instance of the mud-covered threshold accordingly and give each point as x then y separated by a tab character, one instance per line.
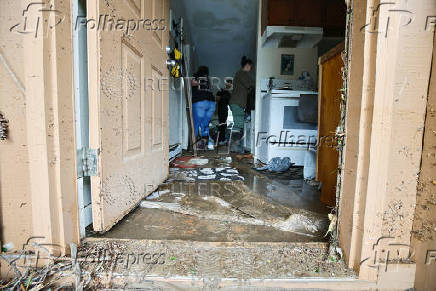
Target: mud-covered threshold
113	263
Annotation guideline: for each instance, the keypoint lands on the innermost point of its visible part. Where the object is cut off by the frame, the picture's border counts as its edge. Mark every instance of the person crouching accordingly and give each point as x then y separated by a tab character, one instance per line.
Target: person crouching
203	105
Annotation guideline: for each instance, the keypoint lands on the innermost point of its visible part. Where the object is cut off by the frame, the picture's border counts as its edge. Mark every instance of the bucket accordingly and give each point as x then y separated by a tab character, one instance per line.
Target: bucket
309	171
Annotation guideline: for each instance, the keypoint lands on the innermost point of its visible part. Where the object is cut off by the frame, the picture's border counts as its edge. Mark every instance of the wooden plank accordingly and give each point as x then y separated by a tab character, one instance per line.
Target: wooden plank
349	199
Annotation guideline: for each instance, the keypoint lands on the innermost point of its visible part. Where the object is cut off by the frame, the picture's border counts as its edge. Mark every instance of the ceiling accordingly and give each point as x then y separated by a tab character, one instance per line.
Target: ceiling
222	32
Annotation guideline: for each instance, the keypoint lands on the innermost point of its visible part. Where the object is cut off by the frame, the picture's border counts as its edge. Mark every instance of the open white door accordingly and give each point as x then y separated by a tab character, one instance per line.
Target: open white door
128	110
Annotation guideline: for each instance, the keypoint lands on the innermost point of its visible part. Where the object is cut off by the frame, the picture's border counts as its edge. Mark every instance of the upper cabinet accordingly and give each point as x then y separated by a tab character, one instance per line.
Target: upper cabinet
328	14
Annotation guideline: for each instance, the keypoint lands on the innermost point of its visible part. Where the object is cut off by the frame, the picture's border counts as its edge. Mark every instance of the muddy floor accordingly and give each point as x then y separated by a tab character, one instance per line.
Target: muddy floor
220	198
214	219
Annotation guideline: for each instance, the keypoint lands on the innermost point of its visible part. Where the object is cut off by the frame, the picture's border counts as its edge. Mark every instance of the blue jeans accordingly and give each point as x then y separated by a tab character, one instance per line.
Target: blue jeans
202	112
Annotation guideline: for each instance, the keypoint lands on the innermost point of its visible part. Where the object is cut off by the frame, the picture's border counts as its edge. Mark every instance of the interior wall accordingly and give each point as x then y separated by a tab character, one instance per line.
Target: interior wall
269	63
175	111
178	124
223	32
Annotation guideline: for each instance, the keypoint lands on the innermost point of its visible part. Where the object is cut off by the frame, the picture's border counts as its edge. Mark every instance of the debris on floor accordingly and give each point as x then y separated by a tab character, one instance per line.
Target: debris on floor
175	151
157	194
182	162
140	261
203	174
217	217
247	156
234	202
226	199
278	165
226	159
199	161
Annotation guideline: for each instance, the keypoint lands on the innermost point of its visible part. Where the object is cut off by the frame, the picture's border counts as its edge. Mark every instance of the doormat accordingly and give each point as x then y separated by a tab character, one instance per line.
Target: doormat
205	174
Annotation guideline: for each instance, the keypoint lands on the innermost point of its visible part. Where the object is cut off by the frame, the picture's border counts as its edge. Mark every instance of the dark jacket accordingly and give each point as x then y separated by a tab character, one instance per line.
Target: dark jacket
224	96
241	85
201	95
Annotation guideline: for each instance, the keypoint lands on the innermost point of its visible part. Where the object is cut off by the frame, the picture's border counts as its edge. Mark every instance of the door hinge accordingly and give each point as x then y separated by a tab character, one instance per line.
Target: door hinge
3	127
87	162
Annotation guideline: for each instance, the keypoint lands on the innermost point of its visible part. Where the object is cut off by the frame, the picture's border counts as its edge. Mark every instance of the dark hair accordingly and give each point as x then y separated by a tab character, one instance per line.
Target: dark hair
246	61
202	71
202	76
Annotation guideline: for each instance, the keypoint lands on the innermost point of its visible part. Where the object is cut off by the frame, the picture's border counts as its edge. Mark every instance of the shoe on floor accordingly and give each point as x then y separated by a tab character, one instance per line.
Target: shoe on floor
210	144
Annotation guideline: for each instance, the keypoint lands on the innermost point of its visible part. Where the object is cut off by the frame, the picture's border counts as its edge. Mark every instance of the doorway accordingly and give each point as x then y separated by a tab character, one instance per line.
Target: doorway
221	189
231	194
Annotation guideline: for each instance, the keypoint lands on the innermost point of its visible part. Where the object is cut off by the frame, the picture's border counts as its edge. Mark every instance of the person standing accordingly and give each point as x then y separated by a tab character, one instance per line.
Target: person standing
223	98
242	84
203	103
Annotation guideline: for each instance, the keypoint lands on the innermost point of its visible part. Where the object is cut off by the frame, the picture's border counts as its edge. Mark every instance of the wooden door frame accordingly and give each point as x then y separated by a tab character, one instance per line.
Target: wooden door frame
48	63
382	159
